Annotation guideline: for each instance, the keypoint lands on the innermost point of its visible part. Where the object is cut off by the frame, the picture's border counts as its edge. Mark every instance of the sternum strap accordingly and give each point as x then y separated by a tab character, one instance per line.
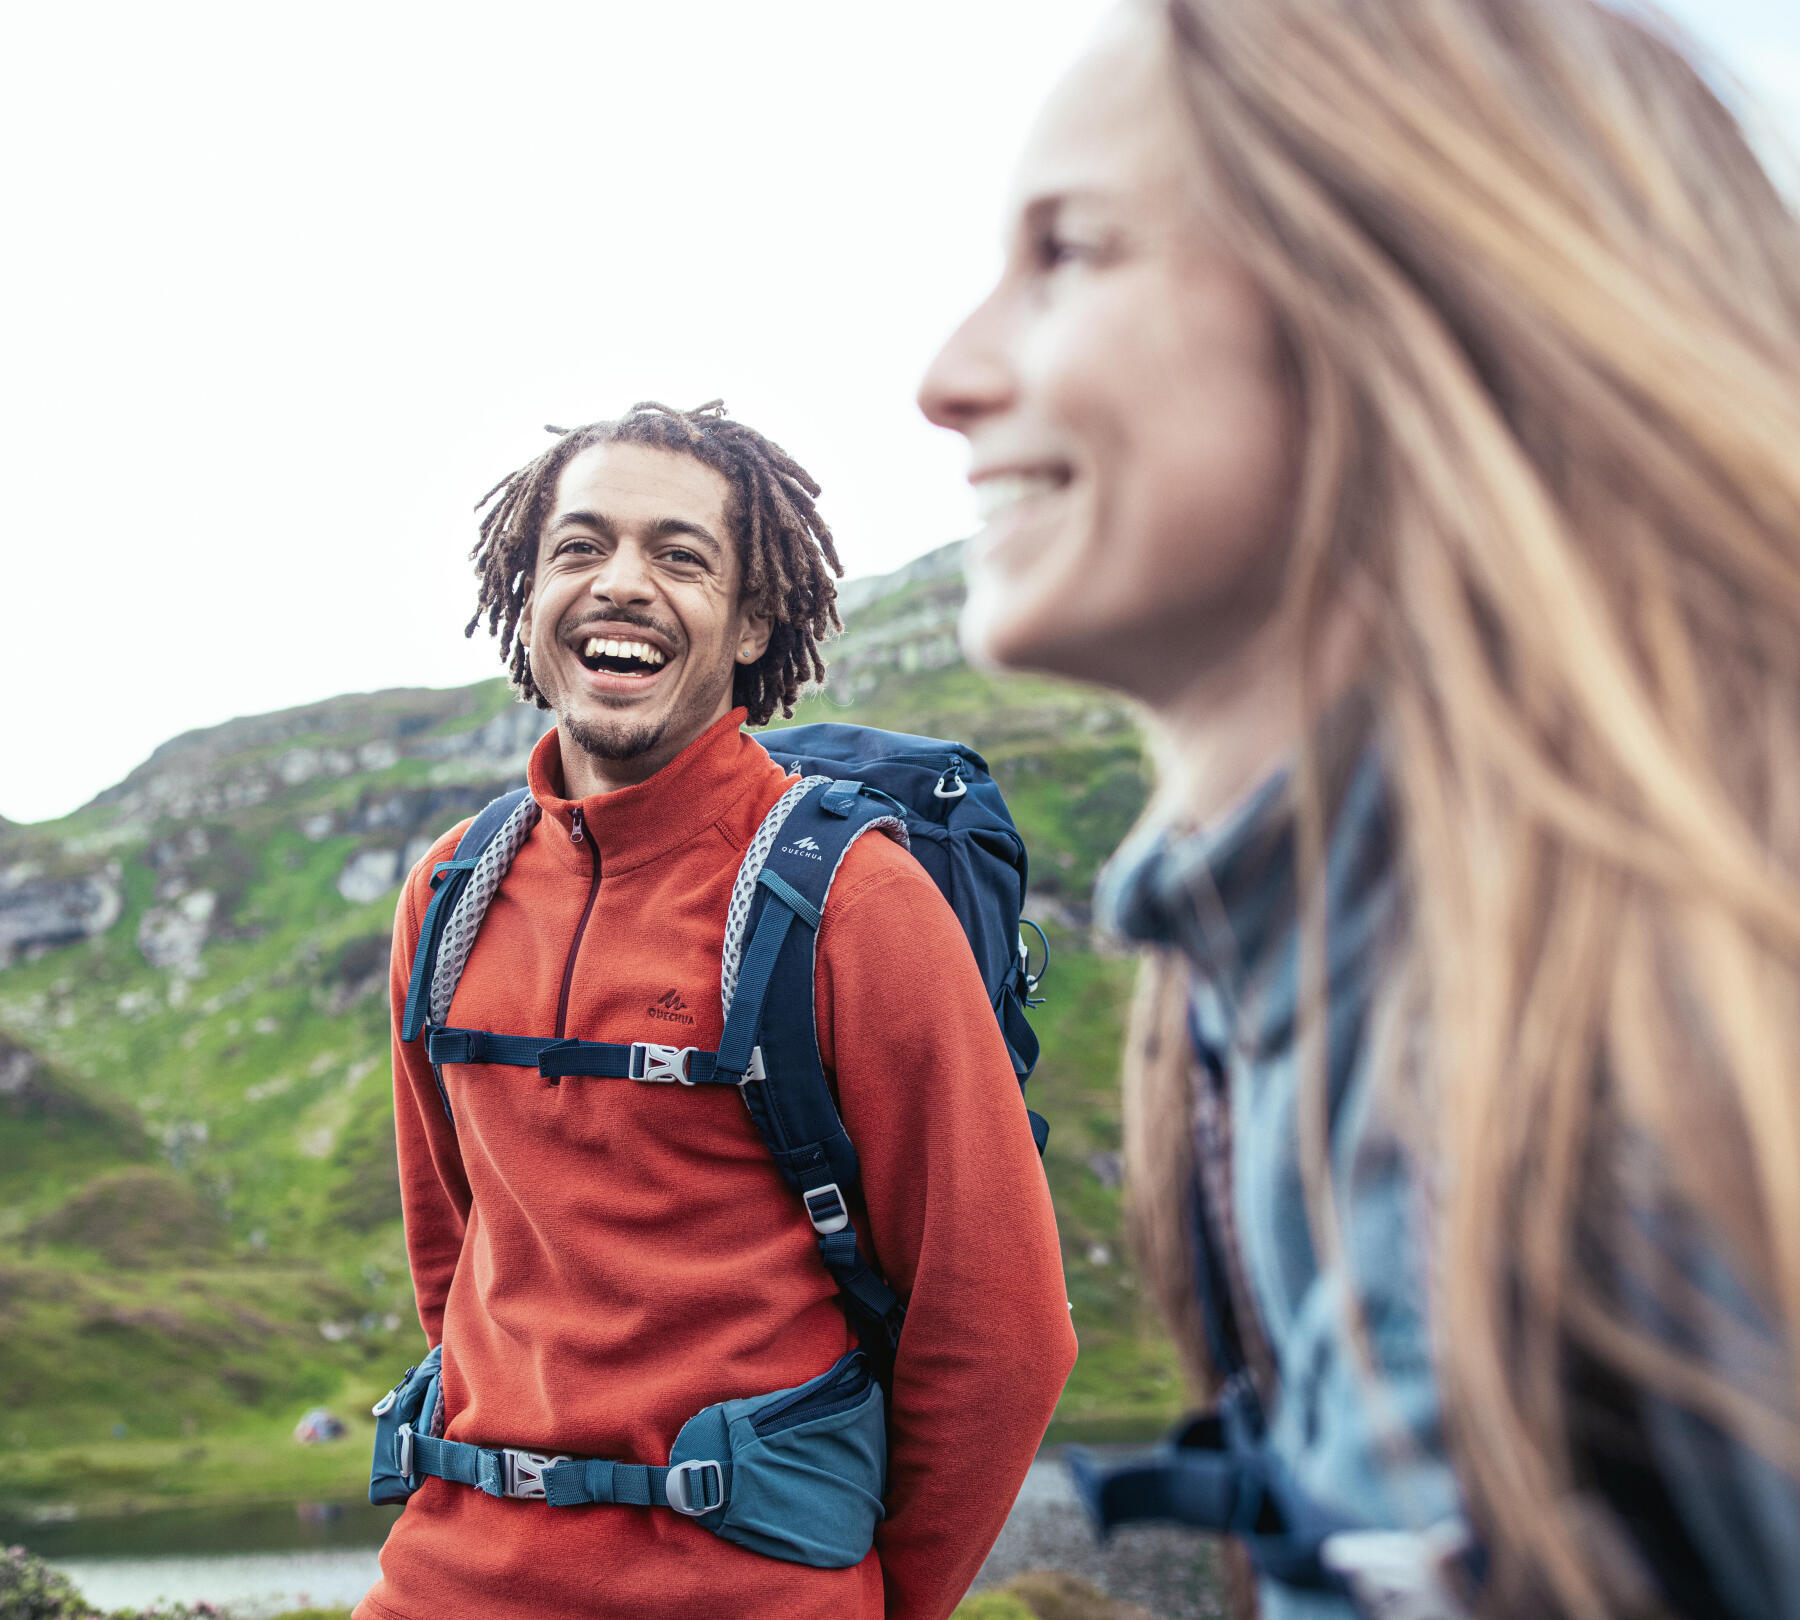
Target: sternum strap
598	1060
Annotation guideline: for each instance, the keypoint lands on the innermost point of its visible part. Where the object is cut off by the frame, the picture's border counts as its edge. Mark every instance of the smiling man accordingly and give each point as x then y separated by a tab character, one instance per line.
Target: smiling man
600	1261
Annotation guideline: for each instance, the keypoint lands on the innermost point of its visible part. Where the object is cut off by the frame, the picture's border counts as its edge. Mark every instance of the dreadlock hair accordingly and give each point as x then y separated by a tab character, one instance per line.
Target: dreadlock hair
788	555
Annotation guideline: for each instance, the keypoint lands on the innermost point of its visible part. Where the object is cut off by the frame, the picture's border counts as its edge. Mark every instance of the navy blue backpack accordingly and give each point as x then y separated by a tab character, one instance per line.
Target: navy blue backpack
939	797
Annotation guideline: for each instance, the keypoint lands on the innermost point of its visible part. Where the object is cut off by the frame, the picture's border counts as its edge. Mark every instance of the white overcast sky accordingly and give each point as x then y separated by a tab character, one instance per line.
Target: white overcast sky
286	288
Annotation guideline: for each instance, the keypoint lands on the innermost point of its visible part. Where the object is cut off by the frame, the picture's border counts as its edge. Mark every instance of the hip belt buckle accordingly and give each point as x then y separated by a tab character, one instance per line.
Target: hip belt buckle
522	1472
660	1063
696	1500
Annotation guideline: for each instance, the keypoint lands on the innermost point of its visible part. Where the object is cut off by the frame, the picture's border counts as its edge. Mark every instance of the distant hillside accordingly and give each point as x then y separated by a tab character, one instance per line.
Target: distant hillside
199	1229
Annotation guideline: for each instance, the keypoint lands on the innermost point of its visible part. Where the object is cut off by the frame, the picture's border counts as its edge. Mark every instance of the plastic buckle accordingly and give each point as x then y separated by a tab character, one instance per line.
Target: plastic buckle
522	1472
832	1214
660	1064
403	1450
681	1495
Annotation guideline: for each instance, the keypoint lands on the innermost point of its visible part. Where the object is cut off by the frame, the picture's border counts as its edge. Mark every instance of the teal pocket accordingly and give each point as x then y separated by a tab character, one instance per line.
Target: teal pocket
414	1404
808	1467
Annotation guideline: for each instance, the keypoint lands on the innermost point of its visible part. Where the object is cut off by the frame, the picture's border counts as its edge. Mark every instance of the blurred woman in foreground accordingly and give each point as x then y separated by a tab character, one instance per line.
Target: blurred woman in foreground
1401	398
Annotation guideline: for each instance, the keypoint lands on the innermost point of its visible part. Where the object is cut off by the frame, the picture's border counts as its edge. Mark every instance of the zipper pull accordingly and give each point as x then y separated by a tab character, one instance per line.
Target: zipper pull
577	831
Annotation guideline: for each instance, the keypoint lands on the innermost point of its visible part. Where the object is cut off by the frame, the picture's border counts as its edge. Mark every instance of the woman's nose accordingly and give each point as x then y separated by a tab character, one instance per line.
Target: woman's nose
970	377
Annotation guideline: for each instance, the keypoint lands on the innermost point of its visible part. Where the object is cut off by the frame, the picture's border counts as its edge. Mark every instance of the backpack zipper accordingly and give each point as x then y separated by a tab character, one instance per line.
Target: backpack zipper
807	1404
577	835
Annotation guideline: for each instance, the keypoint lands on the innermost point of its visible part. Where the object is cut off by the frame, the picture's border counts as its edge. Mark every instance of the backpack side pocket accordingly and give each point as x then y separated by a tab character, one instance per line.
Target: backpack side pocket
413	1405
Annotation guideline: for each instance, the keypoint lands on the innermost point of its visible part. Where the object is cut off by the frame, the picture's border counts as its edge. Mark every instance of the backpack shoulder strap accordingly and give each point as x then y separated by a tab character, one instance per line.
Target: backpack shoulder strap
462	888
788	876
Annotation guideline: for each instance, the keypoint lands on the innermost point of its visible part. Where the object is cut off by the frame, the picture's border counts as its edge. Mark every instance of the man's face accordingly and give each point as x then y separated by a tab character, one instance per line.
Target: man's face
633	617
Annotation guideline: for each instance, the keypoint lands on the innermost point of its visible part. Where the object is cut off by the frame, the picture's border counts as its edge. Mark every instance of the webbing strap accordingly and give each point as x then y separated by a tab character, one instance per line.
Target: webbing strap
483	1046
790	897
595	1060
1218	1472
870	1296
739	1040
1205	1489
572	1482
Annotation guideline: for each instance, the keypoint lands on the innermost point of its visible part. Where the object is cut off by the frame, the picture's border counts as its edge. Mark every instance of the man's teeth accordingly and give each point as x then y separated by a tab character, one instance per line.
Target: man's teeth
994	495
642	651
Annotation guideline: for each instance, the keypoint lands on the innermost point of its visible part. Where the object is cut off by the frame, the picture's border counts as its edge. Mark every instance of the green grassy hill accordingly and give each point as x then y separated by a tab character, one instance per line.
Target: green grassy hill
199	1214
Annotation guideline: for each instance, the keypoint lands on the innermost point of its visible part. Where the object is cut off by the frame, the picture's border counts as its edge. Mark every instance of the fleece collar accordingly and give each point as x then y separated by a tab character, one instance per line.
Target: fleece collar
634	825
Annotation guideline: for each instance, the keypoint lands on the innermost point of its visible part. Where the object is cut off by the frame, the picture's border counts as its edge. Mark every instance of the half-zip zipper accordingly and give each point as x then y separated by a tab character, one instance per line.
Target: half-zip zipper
577	835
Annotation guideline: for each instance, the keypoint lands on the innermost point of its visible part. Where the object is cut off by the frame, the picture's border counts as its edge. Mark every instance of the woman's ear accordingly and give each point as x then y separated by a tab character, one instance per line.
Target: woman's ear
753	637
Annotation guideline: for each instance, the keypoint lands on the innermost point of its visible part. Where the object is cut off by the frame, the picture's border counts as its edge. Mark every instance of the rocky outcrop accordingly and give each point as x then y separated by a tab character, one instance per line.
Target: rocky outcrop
39	912
370	873
171	936
905	622
500	746
244	763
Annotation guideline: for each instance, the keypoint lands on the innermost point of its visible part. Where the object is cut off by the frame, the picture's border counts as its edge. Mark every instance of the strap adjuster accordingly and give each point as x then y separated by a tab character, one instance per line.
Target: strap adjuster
660	1064
522	1472
826	1209
450	1045
710	1494
403	1450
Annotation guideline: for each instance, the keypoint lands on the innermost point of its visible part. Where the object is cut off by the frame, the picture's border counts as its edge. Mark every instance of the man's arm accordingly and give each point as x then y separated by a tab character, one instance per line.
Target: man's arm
960	1217
434	1193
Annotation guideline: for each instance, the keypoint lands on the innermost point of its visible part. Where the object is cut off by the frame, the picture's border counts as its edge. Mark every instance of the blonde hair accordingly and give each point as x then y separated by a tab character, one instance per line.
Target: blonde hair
1544	308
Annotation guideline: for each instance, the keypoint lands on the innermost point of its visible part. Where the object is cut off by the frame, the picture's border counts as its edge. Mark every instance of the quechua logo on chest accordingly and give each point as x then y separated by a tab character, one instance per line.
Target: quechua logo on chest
670	1008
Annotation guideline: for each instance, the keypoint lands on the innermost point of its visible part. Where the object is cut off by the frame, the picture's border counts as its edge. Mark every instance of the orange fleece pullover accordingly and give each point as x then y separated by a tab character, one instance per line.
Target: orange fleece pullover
602	1259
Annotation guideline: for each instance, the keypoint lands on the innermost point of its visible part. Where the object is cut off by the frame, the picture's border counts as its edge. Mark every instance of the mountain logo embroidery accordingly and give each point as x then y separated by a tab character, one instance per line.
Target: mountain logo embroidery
805	847
670	1008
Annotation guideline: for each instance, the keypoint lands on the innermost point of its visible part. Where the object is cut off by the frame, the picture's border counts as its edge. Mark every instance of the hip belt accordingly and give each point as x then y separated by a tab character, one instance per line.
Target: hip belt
797	1474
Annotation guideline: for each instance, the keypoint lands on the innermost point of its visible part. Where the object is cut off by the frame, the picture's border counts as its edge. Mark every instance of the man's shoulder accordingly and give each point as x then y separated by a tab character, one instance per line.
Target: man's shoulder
878	882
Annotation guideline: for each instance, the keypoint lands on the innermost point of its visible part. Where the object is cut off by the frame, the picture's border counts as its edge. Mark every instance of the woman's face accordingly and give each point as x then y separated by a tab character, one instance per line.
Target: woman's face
1130	423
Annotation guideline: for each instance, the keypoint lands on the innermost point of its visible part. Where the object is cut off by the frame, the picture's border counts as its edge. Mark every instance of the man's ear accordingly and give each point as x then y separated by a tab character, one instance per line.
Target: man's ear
753	637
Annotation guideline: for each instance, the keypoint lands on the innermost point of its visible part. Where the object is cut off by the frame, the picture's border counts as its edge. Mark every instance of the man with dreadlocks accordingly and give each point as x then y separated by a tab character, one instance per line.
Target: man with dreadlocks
600	1262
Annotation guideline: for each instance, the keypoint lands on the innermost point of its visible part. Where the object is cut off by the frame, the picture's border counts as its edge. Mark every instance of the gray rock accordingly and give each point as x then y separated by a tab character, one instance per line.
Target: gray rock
369	874
42	912
171	936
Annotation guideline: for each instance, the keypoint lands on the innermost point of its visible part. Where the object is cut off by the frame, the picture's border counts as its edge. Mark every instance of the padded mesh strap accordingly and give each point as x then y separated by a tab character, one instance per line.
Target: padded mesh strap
447	880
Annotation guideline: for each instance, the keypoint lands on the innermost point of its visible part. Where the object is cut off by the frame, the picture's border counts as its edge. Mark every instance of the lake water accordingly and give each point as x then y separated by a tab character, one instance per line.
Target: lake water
252	1584
260	1561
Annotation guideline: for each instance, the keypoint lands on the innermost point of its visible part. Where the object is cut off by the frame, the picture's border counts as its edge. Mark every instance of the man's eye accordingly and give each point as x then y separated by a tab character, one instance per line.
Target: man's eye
681	555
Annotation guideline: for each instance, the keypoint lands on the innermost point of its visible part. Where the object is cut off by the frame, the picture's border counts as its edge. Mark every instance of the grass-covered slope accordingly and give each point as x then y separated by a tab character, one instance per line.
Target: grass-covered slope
199	1218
